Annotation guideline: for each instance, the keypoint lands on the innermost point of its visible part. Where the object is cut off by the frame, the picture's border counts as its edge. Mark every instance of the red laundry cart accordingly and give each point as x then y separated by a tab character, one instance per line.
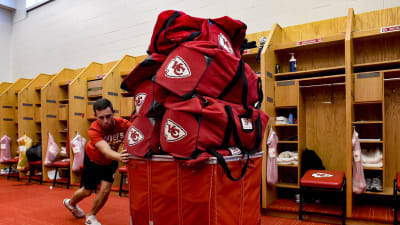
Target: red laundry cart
163	191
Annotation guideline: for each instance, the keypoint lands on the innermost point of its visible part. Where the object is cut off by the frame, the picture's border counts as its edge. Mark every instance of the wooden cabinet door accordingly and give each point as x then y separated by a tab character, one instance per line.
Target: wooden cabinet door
286	93
368	87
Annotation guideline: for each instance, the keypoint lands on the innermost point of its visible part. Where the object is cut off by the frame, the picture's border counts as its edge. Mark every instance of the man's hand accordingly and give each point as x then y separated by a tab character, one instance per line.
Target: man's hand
124	156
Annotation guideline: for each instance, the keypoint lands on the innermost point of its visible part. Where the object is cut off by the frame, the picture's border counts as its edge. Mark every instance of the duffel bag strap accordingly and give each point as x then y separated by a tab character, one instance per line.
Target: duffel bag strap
224	165
258	127
240	72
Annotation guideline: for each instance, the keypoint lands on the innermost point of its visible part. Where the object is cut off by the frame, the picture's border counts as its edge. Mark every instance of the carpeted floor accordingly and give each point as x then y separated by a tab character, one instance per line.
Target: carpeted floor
36	204
380	213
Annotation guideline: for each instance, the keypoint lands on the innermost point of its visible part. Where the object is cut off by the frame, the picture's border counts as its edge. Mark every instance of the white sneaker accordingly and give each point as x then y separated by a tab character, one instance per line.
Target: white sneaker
91	220
76	211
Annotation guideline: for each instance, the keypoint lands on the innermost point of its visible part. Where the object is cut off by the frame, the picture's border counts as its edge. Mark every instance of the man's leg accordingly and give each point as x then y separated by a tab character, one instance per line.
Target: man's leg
79	195
101	198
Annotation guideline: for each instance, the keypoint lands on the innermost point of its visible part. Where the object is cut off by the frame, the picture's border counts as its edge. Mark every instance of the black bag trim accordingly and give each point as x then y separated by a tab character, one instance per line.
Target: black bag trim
224	165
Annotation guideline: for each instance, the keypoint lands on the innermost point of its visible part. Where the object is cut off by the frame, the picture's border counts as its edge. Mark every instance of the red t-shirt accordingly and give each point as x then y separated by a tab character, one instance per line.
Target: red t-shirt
113	137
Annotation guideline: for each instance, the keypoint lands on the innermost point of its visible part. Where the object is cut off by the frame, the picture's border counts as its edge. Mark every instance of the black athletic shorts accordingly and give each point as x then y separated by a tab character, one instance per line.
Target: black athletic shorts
94	173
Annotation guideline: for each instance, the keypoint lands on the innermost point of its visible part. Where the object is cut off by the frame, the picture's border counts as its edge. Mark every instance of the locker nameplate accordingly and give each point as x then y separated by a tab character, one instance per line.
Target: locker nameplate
26	104
269	74
8	119
368	75
51	116
269	99
286	83
112	93
62	106
79	97
27	118
51	101
7	107
78	114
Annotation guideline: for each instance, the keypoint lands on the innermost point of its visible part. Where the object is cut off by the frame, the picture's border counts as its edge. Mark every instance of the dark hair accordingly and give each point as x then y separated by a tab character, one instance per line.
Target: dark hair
102	103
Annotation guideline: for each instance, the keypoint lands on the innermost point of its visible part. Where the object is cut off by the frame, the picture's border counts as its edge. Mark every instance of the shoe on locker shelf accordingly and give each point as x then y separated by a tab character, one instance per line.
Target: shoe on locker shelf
368	184
376	184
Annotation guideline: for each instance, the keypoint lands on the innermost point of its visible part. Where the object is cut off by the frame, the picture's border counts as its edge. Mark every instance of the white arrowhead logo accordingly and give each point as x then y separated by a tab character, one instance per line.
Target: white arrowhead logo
319	175
225	43
139	100
177	68
173	131
134	136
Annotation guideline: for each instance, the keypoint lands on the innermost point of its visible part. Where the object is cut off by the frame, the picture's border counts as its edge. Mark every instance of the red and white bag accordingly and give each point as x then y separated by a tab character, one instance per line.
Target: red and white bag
142	72
143	136
202	68
272	164
52	151
78	148
5	148
359	184
203	124
173	28
149	98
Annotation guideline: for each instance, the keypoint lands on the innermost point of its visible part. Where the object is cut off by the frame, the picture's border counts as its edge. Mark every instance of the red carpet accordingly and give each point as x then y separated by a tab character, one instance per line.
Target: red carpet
35	204
270	220
289	205
382	214
372	213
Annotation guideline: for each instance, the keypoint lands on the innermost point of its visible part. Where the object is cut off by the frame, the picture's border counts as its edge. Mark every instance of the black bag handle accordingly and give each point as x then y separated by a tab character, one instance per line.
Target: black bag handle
224	165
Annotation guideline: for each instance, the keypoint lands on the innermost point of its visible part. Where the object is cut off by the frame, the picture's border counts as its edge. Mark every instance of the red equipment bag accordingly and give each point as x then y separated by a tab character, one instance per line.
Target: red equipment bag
143	136
175	27
190	128
149	98
165	192
142	72
202	68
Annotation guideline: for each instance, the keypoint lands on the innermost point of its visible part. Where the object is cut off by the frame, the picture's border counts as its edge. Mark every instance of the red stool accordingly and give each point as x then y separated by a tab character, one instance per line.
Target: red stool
11	162
33	165
325	180
123	171
60	164
396	188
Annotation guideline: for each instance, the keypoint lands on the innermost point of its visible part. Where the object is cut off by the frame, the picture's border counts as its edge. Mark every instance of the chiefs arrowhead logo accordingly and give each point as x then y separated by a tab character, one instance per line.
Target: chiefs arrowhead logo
177	68
173	131
319	175
225	43
139	100
134	136
235	150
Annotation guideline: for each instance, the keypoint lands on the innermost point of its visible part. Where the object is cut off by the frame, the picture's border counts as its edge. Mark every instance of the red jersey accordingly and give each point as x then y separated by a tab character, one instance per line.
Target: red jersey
113	137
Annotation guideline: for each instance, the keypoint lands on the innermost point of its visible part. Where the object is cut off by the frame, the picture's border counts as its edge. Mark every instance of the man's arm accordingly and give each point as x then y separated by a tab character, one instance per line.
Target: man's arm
104	148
